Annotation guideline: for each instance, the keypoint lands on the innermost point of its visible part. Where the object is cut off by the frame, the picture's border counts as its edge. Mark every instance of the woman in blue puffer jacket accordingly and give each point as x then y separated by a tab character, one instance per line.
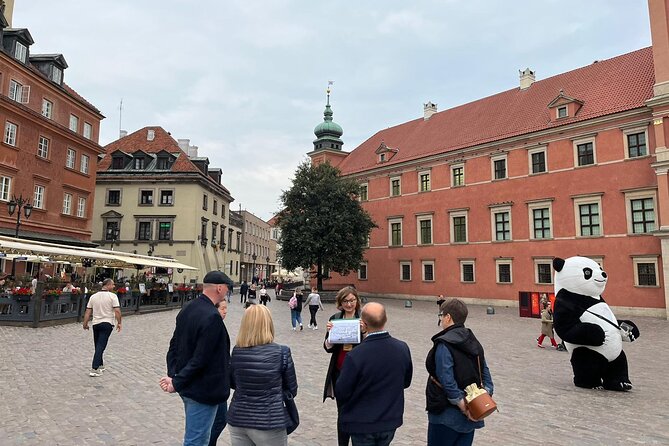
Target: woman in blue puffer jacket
260	371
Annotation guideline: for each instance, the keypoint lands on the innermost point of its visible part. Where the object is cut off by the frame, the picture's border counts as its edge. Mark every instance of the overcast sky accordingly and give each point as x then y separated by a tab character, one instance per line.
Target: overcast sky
245	80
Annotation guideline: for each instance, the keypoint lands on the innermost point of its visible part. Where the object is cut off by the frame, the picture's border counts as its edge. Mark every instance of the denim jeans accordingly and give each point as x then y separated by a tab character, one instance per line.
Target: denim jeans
295	317
199	421
313	309
101	333
219	423
244	436
442	435
374	439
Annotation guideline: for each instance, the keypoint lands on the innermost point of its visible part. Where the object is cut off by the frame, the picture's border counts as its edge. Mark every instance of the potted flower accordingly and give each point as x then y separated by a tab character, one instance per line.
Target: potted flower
121	290
22	294
51	294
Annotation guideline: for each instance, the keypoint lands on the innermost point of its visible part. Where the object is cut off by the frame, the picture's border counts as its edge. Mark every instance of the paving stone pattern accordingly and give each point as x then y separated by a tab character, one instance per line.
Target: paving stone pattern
47	397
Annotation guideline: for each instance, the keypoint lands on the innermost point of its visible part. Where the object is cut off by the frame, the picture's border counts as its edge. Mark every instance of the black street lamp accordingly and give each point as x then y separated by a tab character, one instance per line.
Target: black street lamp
254	257
152	247
13	206
112	235
267	270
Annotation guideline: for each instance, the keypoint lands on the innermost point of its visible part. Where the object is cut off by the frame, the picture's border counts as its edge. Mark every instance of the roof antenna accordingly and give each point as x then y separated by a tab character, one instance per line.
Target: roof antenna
120	118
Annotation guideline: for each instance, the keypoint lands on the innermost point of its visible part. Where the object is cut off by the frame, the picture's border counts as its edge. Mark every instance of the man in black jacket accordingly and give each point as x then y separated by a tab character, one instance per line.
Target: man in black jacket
370	388
198	361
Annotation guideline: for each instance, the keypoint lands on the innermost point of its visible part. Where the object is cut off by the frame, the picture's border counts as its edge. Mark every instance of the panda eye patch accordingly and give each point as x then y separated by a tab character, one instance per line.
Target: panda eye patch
587	273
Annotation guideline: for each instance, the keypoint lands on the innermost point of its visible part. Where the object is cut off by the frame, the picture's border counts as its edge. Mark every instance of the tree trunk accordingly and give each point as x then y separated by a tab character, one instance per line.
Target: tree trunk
319	275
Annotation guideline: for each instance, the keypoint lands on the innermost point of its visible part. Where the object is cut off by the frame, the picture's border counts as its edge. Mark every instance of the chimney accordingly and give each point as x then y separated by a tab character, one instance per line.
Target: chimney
526	78
122	134
150	135
192	151
428	110
184	144
659	31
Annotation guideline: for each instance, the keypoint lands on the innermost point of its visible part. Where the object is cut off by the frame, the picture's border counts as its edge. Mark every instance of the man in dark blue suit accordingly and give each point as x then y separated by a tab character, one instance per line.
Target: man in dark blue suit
198	361
371	385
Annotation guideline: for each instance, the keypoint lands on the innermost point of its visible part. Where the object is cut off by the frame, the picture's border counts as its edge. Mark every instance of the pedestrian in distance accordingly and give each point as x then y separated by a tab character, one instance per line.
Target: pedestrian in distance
105	309
229	294
452	365
252	294
243	290
261	372
314	303
370	388
198	360
440	300
264	297
348	303
547	327
295	304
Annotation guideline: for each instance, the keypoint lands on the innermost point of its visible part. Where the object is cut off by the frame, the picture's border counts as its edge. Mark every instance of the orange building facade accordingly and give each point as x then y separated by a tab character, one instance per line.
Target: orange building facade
475	201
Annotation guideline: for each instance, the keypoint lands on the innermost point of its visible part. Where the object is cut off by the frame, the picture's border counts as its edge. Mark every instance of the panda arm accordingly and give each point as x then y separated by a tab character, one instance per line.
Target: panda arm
568	326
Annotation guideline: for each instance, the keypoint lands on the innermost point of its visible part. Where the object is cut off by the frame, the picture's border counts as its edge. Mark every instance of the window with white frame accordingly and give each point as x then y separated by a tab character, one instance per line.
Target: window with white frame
424	184
467	271
543	271
43	147
424	226
56	75
427	267
540	220
70	158
645	271
457	175
113	197
38	197
561	112
405	271
636	142
588	213
88	130
81	207
83	164
503	267
537	160
5	188
15	90
585	152
10	133
641	211
395	232
395	186
362	271
458	226
363	192
74	123
67	204
498	167
501	223
20	52
47	108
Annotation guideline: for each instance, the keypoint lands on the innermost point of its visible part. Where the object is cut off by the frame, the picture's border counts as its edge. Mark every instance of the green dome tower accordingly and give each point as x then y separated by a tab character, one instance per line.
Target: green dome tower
328	133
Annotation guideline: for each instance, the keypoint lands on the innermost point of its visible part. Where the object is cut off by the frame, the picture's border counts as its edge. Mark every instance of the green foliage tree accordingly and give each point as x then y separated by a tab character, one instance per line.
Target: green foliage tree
322	223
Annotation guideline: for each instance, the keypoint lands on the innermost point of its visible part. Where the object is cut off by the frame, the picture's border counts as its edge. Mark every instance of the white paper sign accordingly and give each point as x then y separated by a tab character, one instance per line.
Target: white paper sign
142	288
345	331
170	287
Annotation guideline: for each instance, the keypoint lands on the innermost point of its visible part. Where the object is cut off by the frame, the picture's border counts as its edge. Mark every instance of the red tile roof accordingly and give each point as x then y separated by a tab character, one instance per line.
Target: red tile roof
609	86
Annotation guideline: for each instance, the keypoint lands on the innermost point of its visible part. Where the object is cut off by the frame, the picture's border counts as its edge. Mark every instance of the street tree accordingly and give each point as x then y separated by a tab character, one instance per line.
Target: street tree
322	223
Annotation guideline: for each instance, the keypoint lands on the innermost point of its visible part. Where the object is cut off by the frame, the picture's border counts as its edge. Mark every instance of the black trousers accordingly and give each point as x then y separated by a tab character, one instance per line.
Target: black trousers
101	333
313	309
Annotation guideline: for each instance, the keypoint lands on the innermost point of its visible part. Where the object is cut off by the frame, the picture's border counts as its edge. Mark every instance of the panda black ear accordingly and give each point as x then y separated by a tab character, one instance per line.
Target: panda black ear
558	264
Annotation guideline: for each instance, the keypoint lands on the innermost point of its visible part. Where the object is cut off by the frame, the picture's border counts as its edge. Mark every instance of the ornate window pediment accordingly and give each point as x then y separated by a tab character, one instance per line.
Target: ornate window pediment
385	153
564	106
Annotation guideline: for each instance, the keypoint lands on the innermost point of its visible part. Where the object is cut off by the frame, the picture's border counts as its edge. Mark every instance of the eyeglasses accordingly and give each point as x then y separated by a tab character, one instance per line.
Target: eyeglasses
442	314
349	301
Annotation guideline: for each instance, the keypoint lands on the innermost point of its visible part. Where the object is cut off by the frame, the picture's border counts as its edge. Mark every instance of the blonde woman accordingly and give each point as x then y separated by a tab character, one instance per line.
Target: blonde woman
260	371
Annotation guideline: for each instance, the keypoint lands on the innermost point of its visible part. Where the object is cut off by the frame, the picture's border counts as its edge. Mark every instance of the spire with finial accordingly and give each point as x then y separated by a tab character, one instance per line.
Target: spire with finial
328	132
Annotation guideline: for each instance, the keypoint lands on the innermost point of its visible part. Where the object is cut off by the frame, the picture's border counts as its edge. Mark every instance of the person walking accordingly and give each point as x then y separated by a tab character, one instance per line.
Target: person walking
440	300
314	303
252	295
264	297
370	388
261	372
198	360
243	290
452	365
104	308
295	303
348	303
547	327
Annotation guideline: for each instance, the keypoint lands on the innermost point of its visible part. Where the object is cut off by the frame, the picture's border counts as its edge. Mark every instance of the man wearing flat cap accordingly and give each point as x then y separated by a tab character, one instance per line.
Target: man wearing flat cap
198	362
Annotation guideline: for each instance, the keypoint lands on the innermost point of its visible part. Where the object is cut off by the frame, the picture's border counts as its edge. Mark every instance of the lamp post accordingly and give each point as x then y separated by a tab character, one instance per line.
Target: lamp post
112	235
267	268
13	206
152	247
254	257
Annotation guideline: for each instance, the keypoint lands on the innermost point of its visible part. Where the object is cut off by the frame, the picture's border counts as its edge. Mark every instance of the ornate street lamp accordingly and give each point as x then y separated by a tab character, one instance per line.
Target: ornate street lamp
254	257
267	270
152	247
113	233
13	206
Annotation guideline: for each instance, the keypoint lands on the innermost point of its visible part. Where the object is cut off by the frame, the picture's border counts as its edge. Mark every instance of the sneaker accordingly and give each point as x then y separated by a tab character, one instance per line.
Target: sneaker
95	373
310	326
315	327
301	327
294	328
540	346
102	368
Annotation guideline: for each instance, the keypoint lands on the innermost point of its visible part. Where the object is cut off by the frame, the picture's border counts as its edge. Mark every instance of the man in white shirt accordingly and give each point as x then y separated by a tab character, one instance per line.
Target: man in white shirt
104	307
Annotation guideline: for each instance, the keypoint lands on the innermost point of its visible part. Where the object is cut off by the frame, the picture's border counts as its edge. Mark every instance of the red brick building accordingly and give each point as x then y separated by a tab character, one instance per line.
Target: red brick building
475	201
49	147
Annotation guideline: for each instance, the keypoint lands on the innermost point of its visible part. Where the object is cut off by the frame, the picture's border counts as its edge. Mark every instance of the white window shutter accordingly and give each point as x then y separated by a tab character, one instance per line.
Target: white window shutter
25	94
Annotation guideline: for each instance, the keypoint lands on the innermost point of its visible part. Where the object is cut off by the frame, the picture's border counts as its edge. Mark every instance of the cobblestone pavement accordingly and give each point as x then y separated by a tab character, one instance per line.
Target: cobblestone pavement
47	397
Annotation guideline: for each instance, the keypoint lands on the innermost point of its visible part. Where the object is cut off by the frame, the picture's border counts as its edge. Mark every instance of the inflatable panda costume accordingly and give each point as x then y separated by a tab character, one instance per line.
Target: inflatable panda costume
588	327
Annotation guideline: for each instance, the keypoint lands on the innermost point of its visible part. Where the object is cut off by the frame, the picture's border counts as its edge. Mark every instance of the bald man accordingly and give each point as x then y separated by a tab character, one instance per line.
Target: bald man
370	388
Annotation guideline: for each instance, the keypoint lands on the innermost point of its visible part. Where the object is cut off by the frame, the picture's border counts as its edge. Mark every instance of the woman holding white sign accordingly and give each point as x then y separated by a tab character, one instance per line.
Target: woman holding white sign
348	303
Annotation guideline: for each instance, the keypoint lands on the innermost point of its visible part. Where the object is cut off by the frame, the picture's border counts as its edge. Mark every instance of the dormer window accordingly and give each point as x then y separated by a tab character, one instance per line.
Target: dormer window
163	163
562	112
564	106
118	162
385	153
20	52
56	75
138	163
382	157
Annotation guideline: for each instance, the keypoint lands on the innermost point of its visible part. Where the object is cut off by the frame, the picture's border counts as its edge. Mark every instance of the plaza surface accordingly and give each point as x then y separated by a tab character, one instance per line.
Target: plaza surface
47	397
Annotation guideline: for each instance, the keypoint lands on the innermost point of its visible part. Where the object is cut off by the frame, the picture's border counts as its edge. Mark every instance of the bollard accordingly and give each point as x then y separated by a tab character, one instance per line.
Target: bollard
490	310
408	304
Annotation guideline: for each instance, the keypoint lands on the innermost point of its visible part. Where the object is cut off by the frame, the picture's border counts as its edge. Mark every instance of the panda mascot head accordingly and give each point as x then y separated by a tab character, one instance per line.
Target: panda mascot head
588	327
579	275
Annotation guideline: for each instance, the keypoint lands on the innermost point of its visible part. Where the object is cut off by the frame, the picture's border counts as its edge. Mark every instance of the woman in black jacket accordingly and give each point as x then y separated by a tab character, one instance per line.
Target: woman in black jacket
348	302
261	370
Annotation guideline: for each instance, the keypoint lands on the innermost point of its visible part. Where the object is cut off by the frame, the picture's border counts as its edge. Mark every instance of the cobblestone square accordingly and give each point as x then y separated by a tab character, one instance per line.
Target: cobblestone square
47	397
